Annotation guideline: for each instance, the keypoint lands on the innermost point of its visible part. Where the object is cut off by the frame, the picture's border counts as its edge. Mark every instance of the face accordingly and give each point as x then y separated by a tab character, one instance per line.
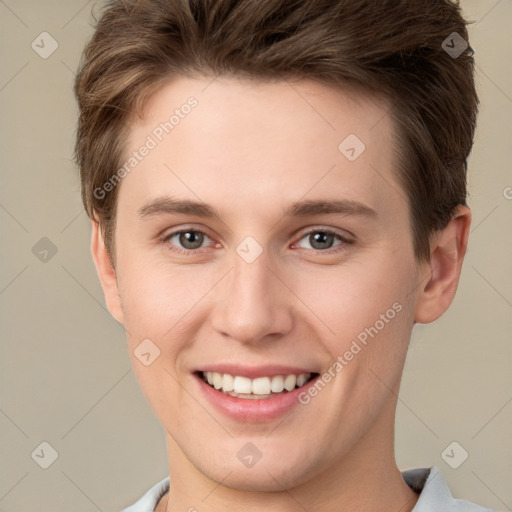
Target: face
265	236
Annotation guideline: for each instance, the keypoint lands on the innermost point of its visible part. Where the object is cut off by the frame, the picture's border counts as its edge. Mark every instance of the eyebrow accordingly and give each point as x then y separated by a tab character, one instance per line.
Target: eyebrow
306	208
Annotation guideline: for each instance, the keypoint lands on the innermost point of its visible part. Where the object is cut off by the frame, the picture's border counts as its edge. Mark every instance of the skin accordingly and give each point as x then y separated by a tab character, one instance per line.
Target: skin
250	149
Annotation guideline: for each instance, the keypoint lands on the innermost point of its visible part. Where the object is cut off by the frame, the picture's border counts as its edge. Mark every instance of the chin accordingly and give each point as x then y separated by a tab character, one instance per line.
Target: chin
269	474
262	480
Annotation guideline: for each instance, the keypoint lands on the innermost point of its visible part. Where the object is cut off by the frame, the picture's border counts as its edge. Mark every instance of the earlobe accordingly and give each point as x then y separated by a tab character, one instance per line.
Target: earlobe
106	272
447	251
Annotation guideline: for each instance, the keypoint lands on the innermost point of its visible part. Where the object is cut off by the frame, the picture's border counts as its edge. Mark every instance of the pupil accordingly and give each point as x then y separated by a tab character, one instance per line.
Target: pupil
191	237
321	238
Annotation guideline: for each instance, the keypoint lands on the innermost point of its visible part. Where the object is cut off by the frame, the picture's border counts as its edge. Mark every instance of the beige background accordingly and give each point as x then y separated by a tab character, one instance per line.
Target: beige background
65	373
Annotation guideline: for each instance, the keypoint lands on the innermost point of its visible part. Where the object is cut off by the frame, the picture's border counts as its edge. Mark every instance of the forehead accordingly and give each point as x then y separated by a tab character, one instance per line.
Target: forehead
245	143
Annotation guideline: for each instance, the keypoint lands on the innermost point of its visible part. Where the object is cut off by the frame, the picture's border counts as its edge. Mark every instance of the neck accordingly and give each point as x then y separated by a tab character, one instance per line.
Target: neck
366	478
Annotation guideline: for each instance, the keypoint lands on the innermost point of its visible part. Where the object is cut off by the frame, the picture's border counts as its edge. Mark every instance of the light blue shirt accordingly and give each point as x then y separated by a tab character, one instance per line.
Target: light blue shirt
435	496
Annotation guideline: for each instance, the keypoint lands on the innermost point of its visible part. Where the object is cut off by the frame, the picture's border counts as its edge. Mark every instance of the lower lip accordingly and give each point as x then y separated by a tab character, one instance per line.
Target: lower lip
253	410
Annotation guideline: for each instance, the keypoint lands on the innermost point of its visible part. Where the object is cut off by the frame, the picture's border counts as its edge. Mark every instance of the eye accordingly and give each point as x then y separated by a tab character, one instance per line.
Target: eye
322	239
186	241
189	241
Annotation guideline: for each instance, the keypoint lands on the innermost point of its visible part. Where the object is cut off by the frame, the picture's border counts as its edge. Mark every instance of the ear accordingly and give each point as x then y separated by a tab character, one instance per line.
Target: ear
447	251
106	272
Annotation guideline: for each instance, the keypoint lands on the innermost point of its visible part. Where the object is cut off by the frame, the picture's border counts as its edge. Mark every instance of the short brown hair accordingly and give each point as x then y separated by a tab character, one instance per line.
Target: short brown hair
390	48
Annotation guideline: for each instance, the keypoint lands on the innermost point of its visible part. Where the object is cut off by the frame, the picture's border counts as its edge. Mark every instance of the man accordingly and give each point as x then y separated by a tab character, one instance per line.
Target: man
277	194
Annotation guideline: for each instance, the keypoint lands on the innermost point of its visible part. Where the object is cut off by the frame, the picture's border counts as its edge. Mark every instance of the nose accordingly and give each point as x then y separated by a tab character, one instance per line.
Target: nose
253	304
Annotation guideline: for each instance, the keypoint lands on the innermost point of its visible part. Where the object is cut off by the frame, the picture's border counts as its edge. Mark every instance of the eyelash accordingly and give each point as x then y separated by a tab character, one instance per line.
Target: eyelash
191	252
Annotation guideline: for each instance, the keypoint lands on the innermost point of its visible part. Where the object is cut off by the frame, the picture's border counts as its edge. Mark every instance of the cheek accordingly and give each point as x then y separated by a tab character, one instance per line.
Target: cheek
157	301
366	313
348	299
155	295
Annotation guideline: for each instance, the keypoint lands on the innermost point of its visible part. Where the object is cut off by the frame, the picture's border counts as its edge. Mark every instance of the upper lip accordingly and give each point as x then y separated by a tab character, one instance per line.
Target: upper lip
253	372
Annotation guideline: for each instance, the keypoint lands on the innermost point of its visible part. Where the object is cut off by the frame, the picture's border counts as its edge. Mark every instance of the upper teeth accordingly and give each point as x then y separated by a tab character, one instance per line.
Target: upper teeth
259	386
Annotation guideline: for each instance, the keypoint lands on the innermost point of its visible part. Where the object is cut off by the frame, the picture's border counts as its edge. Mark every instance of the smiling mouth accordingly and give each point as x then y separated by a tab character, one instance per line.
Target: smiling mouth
255	389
